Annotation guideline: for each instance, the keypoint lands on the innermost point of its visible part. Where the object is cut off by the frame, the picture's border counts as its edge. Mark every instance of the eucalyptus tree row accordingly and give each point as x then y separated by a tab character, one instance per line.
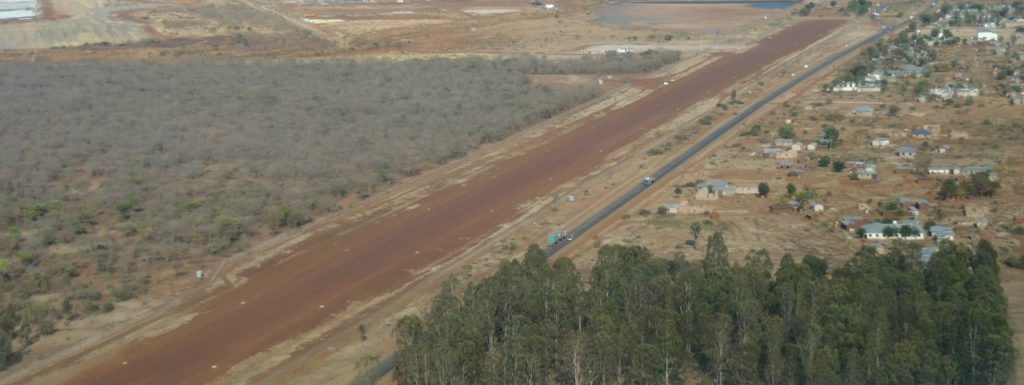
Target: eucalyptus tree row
638	319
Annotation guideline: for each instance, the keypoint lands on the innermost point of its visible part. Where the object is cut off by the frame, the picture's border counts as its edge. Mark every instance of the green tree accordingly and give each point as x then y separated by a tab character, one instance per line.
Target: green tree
948	189
890	231
790	189
763	189
838	166
817	265
824	161
907	231
787	131
831	135
717	254
695	230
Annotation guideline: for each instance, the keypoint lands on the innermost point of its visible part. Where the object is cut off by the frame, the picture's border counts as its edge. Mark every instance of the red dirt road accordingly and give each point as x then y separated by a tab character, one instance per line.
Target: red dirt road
284	300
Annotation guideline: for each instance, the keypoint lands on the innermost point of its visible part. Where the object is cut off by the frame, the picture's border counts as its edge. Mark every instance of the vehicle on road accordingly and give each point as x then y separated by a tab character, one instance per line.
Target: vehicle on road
558	236
648	181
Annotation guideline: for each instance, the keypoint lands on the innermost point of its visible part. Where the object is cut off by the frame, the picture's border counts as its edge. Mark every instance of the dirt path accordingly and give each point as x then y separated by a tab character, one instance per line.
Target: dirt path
325	273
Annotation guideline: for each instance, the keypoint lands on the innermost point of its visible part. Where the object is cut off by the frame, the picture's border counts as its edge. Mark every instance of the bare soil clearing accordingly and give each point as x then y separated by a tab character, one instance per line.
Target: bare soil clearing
356	261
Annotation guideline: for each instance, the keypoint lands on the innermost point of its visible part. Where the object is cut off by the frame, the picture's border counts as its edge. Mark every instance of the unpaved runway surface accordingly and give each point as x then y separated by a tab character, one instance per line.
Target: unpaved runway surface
331	269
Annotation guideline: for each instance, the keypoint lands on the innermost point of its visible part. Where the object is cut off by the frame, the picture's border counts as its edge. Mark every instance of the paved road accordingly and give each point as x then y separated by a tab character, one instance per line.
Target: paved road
618	203
325	273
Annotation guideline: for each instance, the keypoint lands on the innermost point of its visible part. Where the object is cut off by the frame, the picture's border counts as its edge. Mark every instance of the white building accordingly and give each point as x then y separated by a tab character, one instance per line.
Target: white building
986	34
880	142
875	230
18	9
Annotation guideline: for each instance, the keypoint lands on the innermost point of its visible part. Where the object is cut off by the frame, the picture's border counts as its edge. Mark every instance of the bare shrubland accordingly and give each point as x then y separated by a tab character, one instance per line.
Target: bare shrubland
609	62
111	171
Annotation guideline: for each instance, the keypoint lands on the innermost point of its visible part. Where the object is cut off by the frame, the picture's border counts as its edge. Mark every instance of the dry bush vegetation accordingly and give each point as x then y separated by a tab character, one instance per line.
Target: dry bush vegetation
112	171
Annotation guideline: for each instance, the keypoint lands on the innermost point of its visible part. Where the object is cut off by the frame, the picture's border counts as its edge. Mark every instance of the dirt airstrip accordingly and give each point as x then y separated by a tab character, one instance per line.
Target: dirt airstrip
325	273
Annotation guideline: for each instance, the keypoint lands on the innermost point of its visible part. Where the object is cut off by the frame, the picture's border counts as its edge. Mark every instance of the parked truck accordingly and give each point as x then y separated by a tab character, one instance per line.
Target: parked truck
558	236
648	181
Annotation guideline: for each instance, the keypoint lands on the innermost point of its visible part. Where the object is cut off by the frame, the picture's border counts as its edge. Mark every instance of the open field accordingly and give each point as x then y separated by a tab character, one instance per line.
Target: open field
246	28
701	18
291	308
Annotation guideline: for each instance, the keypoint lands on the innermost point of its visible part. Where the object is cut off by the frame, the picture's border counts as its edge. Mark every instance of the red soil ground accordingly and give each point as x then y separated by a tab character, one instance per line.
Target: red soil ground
332	268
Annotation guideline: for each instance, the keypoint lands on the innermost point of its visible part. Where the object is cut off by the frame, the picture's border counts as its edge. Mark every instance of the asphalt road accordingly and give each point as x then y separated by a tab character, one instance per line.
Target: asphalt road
664	171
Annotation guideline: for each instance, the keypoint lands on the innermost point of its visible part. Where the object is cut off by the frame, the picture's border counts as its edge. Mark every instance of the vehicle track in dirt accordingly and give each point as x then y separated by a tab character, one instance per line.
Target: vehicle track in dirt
291	295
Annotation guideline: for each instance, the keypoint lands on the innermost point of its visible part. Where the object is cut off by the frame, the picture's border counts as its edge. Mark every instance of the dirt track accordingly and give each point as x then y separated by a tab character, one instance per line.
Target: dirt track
283	300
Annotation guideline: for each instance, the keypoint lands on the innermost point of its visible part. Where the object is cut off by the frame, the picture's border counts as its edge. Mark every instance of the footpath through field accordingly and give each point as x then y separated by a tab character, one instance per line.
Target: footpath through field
329	270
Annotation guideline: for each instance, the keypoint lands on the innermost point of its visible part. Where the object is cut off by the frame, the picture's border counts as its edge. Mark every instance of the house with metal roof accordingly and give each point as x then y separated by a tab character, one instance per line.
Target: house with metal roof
908	70
783	142
864	111
850	222
987	34
906	151
927	253
940	232
876	230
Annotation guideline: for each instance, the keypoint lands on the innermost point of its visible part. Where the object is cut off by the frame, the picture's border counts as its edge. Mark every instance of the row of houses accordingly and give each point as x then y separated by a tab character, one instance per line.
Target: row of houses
858	87
714	189
954	170
950	92
784	148
904	71
907	229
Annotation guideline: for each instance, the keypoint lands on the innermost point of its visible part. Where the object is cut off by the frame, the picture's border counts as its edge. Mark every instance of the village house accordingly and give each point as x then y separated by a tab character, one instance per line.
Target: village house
921	133
671	208
949	92
876	230
880	142
714	189
906	152
986	35
771	152
876	76
851	223
863	170
1016	98
908	70
782	142
941	170
790	205
927	252
942	149
906	168
858	87
863	111
939	232
817	207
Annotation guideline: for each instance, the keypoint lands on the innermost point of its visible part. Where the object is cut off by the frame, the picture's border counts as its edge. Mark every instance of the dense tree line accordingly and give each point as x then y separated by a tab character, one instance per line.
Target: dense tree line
878	319
112	171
